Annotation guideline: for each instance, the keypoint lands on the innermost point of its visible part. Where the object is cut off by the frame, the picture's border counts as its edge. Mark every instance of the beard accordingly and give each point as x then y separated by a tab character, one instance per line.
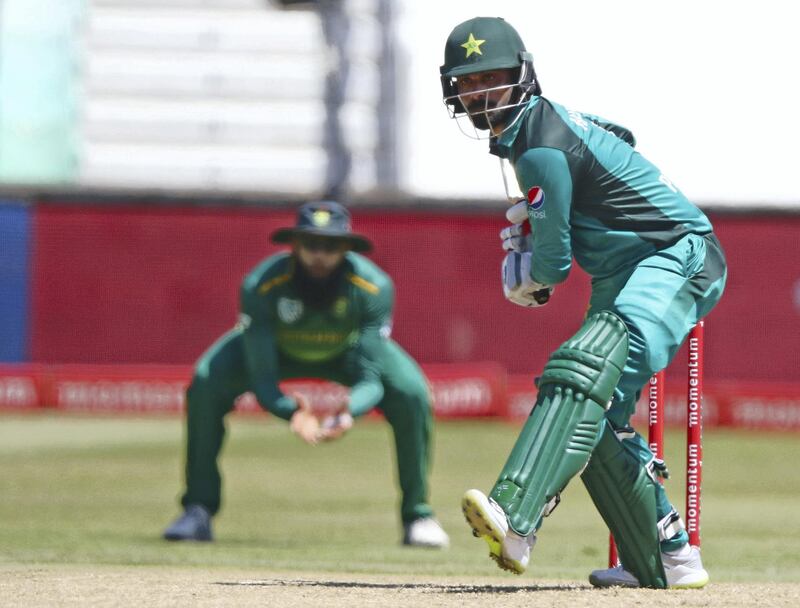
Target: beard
480	120
317	293
485	117
483	120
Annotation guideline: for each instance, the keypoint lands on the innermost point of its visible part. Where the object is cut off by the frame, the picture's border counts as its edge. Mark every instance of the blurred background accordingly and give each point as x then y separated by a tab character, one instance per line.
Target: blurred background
149	147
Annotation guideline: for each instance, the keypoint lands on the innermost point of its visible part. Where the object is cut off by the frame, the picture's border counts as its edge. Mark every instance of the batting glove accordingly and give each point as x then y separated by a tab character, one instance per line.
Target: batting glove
518	213
518	286
514	237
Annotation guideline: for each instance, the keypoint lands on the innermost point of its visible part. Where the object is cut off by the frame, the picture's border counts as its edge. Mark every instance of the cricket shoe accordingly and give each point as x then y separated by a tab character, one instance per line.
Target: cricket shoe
425	532
194	524
489	522
684	570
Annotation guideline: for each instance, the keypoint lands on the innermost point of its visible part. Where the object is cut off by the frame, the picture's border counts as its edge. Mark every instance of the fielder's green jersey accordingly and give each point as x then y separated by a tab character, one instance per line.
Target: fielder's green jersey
590	194
345	339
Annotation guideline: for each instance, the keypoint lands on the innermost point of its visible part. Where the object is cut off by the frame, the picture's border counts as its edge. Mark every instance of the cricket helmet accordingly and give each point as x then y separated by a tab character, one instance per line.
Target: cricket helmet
479	45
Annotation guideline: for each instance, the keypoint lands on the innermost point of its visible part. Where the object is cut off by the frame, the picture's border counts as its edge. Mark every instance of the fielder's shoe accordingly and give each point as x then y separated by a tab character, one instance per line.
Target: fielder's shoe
425	532
489	522
684	570
194	524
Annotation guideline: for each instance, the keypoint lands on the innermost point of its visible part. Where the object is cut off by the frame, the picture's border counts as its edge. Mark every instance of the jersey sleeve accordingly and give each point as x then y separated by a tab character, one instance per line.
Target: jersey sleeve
624	134
261	354
374	332
543	173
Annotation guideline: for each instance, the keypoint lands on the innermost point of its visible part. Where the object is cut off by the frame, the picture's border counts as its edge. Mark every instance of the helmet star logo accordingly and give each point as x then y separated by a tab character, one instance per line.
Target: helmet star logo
472	45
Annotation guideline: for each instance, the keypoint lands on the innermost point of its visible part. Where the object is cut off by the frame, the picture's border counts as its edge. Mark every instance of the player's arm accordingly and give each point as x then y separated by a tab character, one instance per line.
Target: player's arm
538	241
367	354
624	134
261	354
544	175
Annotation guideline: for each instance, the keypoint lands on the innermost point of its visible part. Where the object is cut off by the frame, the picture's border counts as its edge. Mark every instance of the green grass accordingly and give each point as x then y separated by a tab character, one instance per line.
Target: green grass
100	491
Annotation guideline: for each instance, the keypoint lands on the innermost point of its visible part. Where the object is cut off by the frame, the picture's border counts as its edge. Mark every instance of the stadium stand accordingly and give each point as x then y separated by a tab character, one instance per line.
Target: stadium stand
223	95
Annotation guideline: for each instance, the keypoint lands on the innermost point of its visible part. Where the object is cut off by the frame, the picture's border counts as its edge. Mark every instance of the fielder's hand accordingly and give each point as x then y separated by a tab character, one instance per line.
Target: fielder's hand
515	237
304	423
336	425
518	286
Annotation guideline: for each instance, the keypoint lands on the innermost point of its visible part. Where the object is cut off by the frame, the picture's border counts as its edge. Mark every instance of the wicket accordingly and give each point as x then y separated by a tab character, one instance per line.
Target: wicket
694	434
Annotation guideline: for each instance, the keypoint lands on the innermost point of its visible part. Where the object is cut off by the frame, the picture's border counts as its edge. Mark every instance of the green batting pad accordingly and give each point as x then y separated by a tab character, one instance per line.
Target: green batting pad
563	427
625	496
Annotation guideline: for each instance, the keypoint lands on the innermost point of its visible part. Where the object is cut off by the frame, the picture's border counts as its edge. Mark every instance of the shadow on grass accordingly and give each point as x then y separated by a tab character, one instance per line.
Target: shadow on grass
429	587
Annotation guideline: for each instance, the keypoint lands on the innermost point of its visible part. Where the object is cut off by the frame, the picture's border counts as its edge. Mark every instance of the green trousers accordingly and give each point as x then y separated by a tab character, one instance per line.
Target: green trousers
660	299
221	376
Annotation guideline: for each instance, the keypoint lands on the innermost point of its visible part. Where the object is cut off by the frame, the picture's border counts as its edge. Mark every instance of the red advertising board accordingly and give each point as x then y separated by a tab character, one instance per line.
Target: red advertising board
475	390
458	391
139	285
19	387
754	405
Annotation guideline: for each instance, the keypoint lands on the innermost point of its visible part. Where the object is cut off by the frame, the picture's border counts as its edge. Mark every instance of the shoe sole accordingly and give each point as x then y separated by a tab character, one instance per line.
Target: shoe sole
192	539
698	584
483	527
602	584
596	582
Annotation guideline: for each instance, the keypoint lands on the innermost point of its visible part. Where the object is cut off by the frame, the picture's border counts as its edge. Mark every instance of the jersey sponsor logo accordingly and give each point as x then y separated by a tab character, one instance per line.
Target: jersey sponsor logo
535	198
289	310
340	307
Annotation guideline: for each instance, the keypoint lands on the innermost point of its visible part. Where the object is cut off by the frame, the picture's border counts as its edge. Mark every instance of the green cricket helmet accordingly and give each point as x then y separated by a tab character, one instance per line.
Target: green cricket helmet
482	44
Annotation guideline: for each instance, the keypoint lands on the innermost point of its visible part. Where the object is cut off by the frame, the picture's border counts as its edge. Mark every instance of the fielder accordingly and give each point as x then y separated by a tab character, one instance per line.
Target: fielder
656	269
319	311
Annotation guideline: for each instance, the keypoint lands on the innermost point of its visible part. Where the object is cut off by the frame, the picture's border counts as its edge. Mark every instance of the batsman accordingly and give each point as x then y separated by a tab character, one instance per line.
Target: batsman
320	310
656	269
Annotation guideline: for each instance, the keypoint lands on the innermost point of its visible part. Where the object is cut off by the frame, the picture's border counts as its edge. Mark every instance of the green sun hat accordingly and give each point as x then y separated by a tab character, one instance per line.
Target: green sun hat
324	219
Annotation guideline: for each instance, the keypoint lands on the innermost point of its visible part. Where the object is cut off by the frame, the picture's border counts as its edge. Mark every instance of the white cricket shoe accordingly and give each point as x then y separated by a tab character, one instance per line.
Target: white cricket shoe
488	521
684	570
425	532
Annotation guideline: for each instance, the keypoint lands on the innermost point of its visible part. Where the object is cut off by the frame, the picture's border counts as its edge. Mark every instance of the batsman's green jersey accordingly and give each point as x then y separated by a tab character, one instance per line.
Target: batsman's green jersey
652	255
591	194
281	336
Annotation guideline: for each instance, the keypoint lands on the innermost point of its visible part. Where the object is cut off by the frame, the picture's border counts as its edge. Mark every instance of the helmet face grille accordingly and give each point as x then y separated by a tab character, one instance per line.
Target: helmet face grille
486	116
493	116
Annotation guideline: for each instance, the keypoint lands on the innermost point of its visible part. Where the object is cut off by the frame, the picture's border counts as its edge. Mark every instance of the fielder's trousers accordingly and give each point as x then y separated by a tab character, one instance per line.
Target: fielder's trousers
221	376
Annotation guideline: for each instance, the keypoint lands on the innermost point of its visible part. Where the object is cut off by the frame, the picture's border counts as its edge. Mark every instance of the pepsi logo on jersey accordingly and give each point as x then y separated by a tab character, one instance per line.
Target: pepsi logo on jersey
535	198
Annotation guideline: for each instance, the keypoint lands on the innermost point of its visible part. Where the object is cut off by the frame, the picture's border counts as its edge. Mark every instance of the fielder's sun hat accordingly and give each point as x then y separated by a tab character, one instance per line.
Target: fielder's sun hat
327	219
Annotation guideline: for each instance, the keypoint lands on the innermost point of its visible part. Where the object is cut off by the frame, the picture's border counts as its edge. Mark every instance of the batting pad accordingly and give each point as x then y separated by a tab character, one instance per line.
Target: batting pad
562	430
625	495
